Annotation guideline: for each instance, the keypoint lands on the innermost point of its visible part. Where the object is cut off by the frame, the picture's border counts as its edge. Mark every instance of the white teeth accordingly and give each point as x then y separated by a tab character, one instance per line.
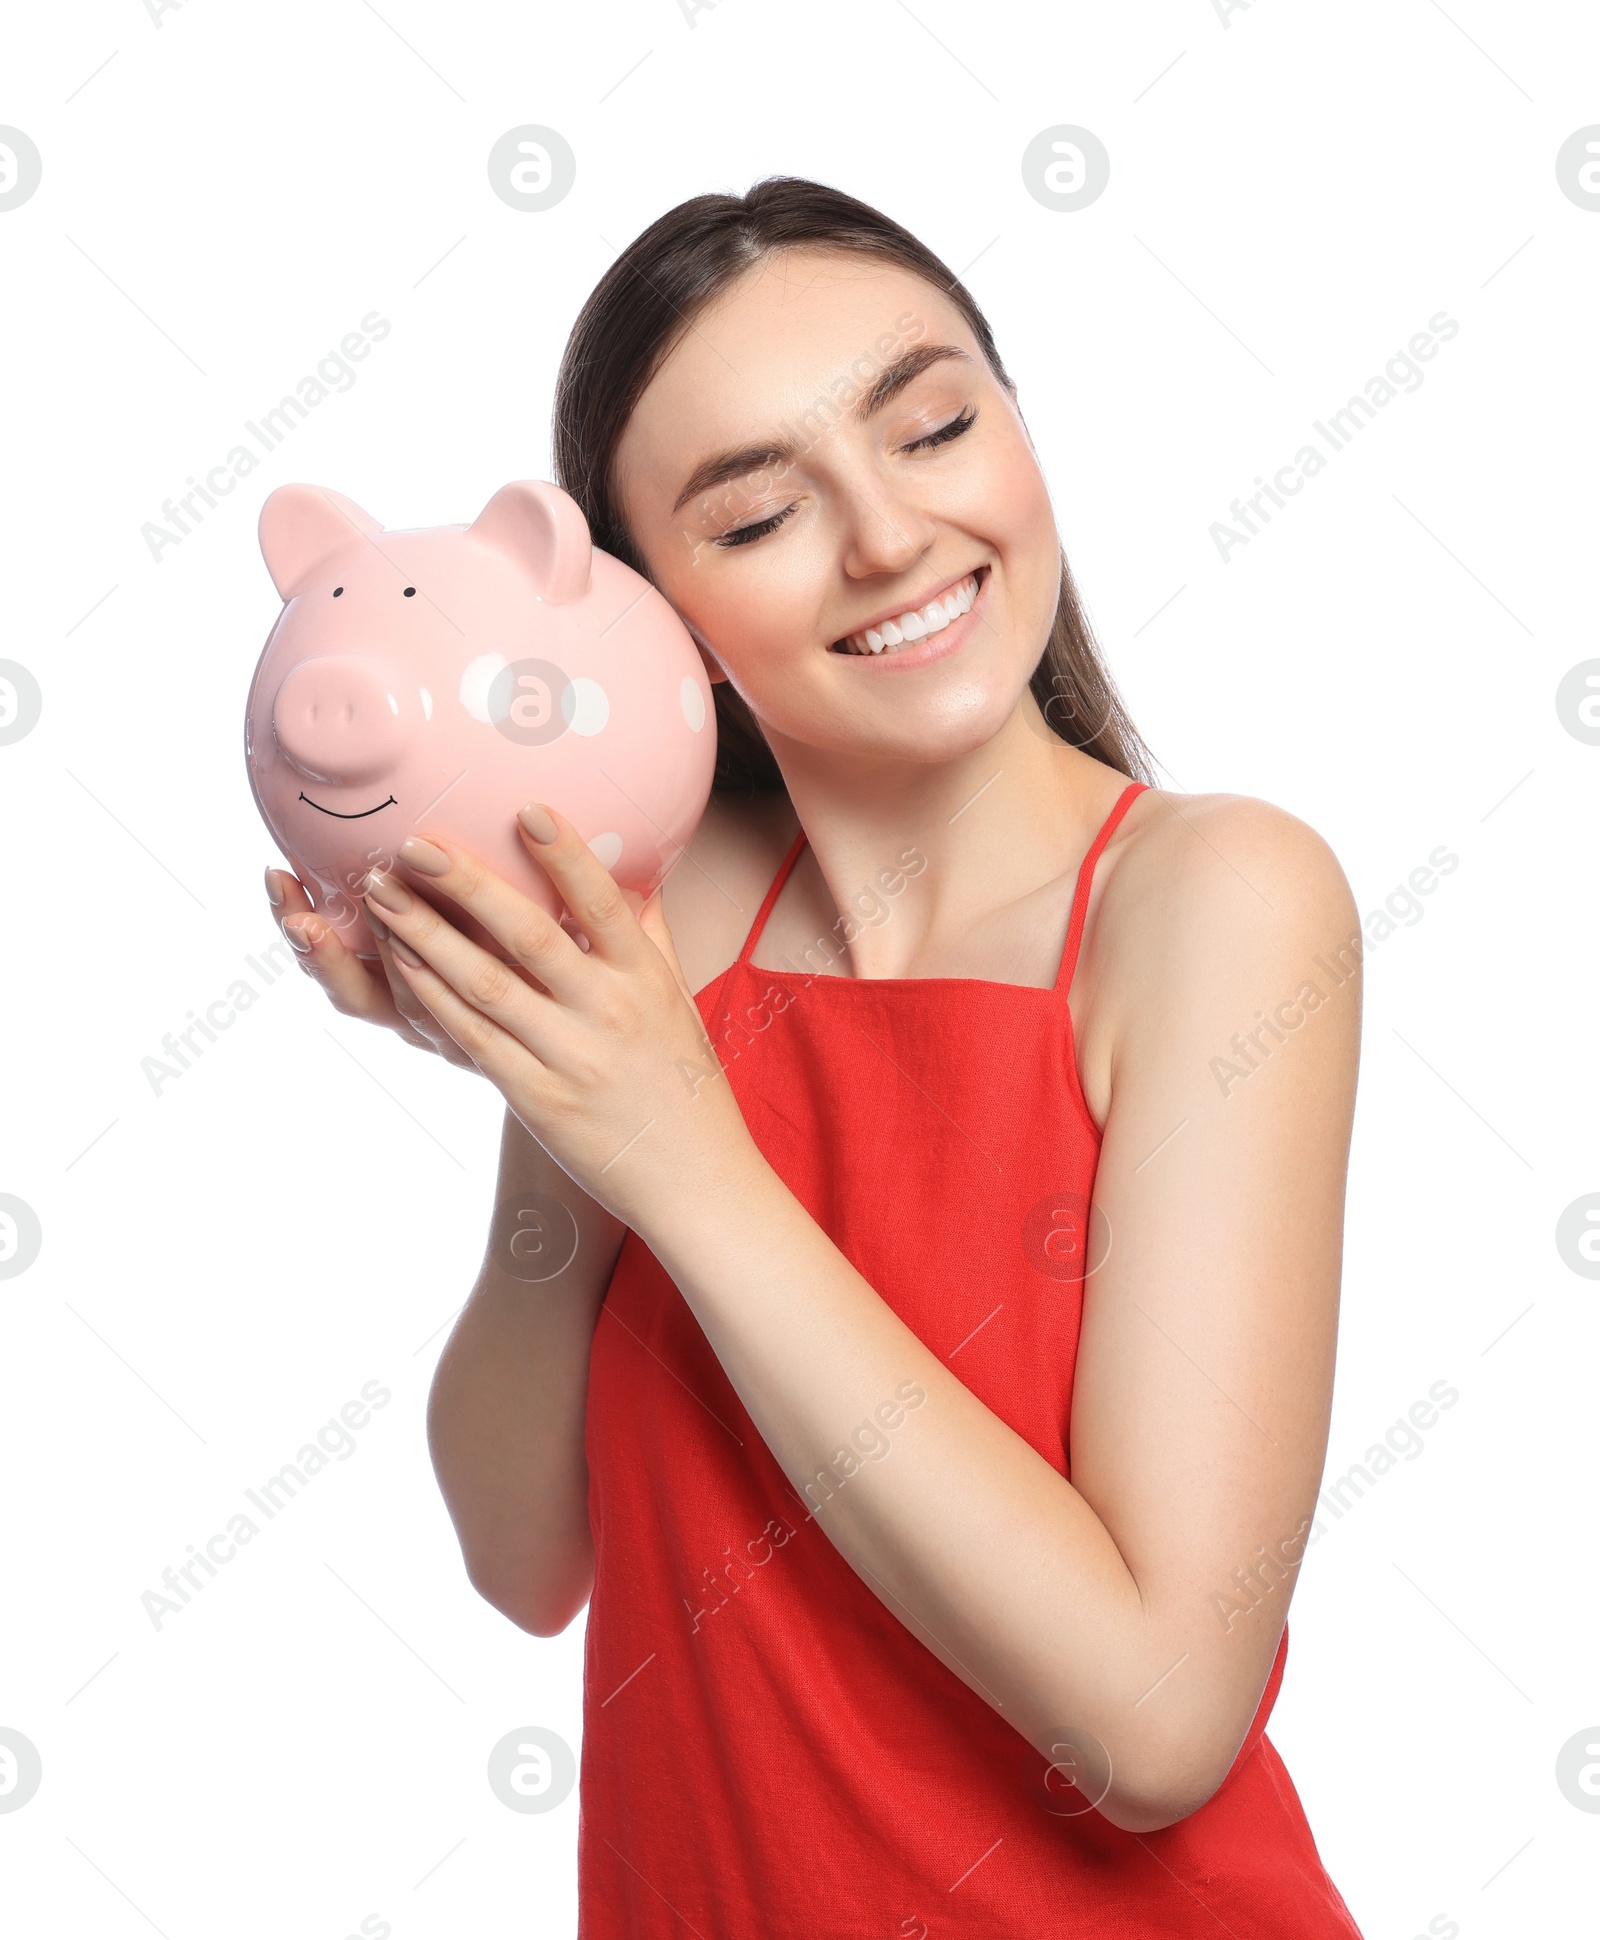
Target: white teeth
933	618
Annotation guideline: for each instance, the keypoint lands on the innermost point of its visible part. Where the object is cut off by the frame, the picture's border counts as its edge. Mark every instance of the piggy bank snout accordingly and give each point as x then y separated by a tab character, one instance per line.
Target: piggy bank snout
338	718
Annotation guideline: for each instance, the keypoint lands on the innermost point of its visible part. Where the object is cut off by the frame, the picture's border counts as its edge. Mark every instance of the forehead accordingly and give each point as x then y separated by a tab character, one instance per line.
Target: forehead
779	339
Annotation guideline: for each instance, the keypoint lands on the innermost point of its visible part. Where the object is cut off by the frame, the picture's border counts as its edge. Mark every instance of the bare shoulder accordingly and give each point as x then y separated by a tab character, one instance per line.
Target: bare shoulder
712	893
1212	858
1211	905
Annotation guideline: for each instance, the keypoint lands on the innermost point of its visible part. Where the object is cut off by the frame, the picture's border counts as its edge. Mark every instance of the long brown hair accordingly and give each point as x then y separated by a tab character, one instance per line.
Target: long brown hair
640	309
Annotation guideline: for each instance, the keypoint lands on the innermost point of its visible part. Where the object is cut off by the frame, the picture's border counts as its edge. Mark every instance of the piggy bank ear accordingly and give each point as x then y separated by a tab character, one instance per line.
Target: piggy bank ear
302	526
539	525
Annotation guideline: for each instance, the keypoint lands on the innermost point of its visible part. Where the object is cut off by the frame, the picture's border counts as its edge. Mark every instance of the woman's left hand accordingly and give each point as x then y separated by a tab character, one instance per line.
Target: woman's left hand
605	1061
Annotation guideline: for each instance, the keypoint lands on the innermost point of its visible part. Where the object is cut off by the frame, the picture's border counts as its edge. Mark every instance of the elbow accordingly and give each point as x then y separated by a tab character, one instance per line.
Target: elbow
542	1609
538	1622
1142	1787
1157	1800
540	1578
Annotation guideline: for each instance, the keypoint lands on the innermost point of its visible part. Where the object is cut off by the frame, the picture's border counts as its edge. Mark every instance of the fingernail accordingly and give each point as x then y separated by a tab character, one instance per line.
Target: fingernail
536	820
387	891
405	953
423	856
274	889
378	927
297	939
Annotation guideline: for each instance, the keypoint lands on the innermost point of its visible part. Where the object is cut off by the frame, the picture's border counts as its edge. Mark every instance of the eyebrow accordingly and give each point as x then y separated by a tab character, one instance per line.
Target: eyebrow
740	461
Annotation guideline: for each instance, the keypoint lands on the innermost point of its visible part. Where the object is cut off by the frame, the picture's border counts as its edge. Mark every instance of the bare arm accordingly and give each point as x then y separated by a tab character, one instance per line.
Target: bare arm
510	1396
507	1408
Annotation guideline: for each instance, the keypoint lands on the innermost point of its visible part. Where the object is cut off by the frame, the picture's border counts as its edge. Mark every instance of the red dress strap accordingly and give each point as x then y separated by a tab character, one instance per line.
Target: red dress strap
765	910
1080	900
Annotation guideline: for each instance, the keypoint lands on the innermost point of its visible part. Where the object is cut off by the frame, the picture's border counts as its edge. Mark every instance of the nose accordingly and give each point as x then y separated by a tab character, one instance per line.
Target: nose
338	719
885	528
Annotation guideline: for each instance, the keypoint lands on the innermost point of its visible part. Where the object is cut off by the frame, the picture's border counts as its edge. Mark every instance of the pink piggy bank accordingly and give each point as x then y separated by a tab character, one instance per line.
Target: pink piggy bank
438	679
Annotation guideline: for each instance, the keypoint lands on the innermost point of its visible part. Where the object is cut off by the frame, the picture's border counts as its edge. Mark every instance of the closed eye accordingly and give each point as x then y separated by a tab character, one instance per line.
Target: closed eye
744	535
953	429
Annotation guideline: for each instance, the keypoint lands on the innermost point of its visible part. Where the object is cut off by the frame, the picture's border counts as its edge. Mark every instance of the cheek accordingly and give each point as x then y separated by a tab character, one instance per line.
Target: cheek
760	617
1016	501
1000	497
1023	520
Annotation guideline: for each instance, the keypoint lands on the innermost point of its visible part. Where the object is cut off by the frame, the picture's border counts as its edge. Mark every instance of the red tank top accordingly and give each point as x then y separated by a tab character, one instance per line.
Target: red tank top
768	1753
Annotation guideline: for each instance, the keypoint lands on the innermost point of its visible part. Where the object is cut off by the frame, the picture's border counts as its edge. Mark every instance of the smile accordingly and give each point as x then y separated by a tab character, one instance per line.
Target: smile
359	814
894	635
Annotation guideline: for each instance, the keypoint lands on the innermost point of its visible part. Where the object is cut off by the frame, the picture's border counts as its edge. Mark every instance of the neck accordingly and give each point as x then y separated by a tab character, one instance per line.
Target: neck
988	828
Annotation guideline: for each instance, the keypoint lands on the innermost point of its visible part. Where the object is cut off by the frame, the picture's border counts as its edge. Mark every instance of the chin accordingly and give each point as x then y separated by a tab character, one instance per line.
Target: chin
962	714
959	723
930	745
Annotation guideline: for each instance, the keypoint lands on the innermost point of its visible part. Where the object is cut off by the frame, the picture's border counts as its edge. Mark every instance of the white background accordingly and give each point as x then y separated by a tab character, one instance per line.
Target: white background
1294	192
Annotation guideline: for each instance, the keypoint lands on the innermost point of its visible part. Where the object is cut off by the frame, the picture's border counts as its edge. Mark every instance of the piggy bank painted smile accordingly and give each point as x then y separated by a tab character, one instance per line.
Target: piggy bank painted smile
438	679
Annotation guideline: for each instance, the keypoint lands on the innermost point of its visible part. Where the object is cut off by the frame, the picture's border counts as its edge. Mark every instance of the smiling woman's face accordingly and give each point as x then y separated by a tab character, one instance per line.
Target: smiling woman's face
825	450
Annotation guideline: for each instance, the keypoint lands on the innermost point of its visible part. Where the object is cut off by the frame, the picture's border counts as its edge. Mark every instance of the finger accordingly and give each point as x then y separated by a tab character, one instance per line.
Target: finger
479	980
501	1055
584	884
285	892
528	933
418	1024
653	921
355	986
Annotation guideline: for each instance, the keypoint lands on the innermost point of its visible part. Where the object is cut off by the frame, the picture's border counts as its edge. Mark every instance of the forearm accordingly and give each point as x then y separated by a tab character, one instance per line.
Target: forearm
976	1543
507	1409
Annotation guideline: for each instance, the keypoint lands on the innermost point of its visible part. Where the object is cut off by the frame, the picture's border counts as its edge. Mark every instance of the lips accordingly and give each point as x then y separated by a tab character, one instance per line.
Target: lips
892	633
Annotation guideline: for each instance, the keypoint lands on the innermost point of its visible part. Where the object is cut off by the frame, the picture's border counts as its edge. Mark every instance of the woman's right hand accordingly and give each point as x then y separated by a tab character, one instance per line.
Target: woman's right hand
356	985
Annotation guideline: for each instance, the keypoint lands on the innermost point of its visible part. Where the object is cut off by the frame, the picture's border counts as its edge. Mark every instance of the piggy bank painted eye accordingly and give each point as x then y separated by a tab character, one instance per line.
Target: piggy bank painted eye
361	731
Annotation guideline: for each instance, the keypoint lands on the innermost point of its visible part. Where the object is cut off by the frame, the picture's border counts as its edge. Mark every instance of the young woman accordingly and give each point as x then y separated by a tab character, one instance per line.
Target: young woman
952	1155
